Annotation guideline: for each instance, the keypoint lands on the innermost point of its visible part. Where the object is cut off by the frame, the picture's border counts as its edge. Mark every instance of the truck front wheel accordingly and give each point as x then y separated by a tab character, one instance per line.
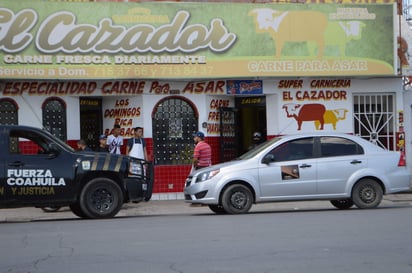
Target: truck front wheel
75	208
101	198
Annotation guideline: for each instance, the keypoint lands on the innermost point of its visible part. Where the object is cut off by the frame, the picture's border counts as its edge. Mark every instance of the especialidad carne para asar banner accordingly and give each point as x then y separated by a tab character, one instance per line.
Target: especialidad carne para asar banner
48	40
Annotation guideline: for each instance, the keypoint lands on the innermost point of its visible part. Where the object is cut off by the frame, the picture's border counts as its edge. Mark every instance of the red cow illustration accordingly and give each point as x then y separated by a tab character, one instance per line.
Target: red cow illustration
305	112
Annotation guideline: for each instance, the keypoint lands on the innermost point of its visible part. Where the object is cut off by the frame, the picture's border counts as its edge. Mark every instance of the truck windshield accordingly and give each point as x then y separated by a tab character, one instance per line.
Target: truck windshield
59	141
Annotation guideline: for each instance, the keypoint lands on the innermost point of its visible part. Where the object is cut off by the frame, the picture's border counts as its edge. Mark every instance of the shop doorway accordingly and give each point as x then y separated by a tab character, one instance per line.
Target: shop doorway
252	118
91	121
229	132
238	125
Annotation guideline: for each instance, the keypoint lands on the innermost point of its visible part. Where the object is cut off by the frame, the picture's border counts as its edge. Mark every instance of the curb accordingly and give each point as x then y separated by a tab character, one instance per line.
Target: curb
180	207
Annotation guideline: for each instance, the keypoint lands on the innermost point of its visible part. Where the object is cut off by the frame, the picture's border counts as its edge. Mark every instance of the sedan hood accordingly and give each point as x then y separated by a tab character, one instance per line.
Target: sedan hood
237	164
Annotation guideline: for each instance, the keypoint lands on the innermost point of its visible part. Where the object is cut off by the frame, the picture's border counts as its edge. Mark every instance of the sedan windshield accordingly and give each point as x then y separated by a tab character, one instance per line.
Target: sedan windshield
258	149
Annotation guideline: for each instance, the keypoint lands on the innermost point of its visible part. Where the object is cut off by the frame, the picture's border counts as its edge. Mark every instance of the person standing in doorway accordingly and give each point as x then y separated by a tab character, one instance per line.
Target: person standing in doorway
136	146
257	139
115	140
202	154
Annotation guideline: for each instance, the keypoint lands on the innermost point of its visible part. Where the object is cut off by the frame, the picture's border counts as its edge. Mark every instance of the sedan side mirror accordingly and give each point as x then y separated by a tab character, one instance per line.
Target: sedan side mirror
269	158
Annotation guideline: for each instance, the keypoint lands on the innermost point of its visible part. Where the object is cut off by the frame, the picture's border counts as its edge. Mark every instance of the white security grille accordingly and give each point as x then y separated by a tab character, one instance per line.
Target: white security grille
374	119
54	118
8	112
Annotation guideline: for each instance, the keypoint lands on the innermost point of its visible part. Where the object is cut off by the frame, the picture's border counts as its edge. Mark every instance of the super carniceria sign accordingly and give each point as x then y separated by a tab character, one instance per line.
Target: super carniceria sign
42	40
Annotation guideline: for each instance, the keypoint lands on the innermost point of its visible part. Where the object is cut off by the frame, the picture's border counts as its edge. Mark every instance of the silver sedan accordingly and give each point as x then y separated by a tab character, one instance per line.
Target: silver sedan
342	168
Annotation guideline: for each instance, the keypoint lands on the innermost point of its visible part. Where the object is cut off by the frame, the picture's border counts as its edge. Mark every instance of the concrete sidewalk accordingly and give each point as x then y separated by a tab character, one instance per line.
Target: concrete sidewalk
179	207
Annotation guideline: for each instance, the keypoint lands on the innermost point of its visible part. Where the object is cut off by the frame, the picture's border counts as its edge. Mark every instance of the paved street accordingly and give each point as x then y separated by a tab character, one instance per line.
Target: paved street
171	236
170	207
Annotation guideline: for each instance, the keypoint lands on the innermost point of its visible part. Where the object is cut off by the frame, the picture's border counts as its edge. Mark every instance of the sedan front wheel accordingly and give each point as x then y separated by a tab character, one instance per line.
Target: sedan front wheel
218	209
237	199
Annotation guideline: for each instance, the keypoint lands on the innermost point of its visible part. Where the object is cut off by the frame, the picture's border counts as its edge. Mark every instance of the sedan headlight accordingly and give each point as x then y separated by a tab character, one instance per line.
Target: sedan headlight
206	175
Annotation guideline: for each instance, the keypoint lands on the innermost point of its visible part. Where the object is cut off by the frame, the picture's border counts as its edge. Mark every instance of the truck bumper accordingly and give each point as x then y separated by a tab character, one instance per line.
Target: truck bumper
141	187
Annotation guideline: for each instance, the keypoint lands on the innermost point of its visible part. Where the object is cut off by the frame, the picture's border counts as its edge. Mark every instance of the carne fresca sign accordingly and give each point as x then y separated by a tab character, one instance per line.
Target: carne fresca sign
190	40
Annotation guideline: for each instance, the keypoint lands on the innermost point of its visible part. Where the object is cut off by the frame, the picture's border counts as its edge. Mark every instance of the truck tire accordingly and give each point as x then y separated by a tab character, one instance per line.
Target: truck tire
101	198
75	208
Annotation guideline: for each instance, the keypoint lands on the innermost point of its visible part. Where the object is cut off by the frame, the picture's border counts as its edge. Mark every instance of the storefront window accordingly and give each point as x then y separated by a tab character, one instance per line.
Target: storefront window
174	122
54	117
8	112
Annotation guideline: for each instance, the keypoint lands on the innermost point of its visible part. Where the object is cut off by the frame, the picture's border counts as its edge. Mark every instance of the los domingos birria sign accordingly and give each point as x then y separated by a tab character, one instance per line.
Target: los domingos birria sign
64	40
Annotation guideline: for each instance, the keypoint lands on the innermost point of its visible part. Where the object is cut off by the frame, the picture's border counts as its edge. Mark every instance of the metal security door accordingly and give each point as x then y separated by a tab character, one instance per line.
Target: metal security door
374	119
229	142
91	121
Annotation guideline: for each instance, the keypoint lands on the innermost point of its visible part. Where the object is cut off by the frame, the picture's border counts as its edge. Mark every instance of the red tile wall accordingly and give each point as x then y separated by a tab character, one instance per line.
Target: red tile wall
28	148
168	178
171	178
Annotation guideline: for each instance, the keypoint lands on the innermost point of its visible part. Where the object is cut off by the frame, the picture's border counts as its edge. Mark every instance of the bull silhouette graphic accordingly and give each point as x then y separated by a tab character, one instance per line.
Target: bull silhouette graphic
306	112
291	26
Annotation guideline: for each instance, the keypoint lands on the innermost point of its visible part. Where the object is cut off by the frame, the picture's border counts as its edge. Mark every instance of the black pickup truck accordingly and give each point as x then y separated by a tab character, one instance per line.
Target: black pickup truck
39	170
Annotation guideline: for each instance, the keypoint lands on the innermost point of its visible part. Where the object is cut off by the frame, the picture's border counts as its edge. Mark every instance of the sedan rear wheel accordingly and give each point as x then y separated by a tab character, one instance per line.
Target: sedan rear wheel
367	194
237	199
342	203
51	209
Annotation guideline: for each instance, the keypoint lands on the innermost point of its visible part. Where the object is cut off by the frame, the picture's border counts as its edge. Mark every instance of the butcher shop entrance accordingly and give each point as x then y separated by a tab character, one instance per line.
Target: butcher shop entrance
238	125
251	118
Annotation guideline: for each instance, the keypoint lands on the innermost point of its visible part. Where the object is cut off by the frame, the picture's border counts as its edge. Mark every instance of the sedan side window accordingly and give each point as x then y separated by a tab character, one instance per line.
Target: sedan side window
294	150
338	146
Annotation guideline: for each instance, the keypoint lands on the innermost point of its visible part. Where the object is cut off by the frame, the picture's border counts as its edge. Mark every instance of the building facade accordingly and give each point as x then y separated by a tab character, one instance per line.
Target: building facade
227	69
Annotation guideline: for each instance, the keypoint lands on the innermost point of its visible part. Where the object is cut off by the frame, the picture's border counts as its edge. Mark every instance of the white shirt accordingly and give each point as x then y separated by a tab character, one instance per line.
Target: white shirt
114	143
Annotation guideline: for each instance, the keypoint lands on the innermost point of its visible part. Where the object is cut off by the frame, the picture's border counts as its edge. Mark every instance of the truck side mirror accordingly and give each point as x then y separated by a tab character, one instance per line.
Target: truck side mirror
53	149
269	158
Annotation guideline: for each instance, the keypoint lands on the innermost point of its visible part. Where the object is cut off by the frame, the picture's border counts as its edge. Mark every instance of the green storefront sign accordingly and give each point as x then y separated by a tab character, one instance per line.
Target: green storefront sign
63	40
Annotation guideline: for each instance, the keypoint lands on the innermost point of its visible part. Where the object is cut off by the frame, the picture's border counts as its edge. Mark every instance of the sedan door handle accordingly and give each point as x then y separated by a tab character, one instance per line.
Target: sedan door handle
355	162
305	166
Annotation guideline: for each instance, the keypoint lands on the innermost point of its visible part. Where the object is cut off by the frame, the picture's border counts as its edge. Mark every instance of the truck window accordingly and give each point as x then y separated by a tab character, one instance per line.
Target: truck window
27	143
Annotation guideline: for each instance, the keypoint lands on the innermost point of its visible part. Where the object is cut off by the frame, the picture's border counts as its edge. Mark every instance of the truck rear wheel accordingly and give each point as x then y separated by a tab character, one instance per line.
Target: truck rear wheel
51	209
101	198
